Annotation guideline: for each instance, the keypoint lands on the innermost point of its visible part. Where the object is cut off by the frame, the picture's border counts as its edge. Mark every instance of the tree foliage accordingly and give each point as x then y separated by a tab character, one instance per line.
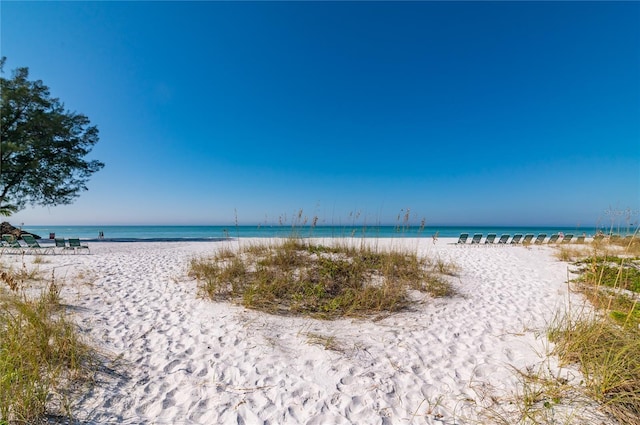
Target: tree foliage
42	146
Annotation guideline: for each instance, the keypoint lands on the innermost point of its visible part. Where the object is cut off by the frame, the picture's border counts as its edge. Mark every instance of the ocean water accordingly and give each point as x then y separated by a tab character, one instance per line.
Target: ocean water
196	233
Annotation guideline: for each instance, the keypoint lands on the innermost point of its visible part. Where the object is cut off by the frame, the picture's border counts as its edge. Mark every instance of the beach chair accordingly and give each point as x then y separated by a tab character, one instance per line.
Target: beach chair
567	238
580	239
516	239
462	240
527	239
34	247
491	237
476	239
503	239
61	244
553	239
12	245
4	246
540	239
74	243
598	237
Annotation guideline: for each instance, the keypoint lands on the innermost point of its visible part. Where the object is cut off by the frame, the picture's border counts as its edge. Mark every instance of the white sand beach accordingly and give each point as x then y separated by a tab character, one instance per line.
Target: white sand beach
175	358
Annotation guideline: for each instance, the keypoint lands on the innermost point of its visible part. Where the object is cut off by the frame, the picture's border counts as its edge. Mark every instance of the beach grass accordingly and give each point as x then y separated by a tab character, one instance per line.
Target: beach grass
630	244
540	399
600	338
570	253
41	353
297	276
605	341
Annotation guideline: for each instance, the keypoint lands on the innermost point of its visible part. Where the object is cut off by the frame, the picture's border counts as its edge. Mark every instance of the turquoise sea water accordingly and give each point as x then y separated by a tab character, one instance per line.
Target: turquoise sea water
171	233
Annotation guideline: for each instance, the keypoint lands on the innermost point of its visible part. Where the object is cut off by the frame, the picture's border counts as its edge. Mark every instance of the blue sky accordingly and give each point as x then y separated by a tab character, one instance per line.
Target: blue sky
466	113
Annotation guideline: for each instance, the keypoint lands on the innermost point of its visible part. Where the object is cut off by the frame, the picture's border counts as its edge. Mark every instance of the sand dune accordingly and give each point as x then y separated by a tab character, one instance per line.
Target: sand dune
176	358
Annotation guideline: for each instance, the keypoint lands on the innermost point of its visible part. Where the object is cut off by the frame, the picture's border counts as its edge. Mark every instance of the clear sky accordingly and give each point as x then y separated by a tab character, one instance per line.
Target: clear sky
523	113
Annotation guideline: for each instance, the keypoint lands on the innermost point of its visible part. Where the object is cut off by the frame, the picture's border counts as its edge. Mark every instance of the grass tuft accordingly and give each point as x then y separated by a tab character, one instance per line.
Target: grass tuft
294	276
608	357
606	343
41	354
569	253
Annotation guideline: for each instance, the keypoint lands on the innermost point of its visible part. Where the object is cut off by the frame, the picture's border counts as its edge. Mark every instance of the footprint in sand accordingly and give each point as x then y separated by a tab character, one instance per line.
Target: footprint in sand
170	367
142	409
295	413
357	405
150	388
509	354
199	411
347	380
169	400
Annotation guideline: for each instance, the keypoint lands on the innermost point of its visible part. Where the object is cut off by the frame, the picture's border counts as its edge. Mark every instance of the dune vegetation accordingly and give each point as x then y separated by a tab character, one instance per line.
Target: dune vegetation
604	341
42	357
342	278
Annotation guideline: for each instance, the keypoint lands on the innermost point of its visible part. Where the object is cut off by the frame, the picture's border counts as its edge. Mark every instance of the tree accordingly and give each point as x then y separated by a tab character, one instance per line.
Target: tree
42	146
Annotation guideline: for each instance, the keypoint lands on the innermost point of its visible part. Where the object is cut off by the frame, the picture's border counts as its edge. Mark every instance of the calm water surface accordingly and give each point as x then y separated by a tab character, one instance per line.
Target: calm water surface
177	233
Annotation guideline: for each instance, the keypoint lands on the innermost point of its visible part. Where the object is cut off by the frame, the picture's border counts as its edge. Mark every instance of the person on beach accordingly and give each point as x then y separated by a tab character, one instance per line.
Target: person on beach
101	235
